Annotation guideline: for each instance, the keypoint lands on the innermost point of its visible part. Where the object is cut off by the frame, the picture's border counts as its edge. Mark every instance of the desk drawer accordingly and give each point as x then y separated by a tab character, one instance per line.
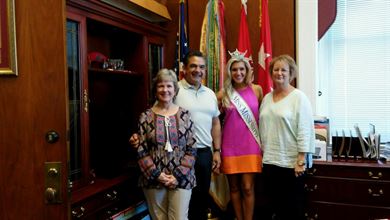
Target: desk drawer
339	211
353	191
368	173
94	204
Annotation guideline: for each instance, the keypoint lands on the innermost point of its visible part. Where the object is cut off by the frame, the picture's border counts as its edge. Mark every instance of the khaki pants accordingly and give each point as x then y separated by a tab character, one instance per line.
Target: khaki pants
165	204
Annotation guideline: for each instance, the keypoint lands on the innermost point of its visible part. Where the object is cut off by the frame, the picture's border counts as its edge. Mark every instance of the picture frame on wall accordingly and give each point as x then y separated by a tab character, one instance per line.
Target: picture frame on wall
8	55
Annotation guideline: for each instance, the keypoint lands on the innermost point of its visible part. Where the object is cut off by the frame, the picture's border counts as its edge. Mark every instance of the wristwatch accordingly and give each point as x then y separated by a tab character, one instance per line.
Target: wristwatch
217	150
301	163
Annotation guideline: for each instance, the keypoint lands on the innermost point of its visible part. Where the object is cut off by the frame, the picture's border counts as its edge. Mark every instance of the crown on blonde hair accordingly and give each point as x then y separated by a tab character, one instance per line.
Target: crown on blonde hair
237	55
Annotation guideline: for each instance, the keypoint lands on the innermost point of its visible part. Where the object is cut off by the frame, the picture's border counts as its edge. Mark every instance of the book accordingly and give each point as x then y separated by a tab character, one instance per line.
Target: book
134	212
321	126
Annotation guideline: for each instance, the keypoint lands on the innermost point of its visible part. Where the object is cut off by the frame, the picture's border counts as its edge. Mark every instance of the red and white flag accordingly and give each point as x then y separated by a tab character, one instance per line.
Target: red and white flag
265	51
244	42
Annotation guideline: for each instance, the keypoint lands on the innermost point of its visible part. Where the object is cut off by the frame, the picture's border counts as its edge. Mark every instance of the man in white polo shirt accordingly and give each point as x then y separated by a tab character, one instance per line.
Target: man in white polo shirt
202	103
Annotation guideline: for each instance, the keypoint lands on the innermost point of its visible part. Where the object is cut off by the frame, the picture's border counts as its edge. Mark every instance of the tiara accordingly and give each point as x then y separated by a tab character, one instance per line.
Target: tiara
237	55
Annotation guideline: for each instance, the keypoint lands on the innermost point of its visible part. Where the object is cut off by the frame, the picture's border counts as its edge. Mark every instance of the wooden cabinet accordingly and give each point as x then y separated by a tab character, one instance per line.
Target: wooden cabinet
105	102
345	190
107	198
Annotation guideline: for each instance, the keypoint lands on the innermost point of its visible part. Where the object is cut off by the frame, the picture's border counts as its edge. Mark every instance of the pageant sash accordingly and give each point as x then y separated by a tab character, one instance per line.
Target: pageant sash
246	114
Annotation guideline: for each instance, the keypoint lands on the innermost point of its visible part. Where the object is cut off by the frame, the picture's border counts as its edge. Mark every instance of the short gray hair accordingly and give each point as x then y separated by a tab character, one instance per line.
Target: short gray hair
165	75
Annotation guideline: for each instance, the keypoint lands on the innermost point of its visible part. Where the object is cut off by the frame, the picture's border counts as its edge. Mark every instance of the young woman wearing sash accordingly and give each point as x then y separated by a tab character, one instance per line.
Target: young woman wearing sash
287	135
241	154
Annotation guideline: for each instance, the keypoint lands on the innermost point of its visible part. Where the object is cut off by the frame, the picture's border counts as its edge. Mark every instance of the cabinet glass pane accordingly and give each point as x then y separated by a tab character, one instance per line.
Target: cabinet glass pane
72	37
155	64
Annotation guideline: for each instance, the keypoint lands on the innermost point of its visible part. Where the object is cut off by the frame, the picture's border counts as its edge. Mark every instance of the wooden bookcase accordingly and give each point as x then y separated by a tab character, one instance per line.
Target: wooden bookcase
104	105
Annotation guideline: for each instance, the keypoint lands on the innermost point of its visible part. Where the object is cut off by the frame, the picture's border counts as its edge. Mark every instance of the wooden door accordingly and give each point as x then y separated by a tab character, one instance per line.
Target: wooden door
32	104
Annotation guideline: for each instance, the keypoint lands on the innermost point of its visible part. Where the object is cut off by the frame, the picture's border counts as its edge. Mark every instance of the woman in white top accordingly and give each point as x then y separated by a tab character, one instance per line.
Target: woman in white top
287	135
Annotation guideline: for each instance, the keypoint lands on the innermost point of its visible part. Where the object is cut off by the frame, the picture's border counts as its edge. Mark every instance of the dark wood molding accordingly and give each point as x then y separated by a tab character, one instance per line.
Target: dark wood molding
105	13
327	11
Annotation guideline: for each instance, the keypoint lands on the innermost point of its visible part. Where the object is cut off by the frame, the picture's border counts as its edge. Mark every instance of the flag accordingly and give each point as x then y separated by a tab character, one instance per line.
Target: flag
213	46
213	43
265	50
244	42
181	43
219	190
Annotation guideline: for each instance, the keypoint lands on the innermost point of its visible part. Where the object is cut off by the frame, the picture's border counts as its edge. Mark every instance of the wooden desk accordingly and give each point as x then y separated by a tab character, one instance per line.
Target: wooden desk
348	190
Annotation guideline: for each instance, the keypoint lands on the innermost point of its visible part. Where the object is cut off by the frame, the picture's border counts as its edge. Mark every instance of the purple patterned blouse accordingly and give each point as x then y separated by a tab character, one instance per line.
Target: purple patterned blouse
153	158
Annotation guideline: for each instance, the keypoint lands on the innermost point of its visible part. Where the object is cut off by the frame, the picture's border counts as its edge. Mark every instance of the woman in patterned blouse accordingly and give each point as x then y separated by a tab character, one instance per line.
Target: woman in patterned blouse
166	155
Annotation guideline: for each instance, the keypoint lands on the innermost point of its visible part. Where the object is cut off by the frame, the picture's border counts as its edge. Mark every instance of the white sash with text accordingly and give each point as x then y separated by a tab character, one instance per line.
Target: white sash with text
246	114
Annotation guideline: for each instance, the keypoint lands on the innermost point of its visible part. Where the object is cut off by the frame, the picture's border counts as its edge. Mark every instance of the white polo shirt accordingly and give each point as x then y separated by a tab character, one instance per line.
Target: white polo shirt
203	106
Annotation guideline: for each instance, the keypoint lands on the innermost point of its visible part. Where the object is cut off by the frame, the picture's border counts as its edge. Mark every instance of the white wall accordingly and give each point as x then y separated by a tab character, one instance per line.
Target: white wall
306	53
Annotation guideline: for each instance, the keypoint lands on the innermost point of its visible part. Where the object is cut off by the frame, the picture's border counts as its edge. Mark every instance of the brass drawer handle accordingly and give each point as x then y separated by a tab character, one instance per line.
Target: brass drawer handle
379	193
311	172
111	196
371	175
112	211
311	218
311	189
78	213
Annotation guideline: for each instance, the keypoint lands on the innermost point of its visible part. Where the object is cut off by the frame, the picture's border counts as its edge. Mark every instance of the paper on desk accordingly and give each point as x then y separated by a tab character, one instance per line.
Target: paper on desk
320	152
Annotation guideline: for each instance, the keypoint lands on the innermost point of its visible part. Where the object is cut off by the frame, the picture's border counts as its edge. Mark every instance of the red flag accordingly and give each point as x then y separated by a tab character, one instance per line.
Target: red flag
244	43
265	51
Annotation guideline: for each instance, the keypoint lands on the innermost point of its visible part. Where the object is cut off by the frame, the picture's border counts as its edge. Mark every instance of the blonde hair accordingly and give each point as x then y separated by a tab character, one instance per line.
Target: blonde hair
228	83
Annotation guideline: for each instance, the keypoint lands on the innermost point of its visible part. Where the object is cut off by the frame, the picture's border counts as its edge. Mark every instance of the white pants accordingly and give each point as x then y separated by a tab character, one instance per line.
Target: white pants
165	204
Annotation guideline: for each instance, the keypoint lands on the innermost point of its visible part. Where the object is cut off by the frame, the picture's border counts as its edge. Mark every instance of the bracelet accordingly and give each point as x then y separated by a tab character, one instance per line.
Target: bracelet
301	163
217	150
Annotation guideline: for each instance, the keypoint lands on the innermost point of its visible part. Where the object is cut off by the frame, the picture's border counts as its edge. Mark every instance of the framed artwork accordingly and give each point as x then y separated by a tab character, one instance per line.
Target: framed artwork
8	61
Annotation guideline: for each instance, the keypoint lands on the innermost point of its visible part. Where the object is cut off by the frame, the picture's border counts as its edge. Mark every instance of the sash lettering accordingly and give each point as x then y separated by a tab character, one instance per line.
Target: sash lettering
246	114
